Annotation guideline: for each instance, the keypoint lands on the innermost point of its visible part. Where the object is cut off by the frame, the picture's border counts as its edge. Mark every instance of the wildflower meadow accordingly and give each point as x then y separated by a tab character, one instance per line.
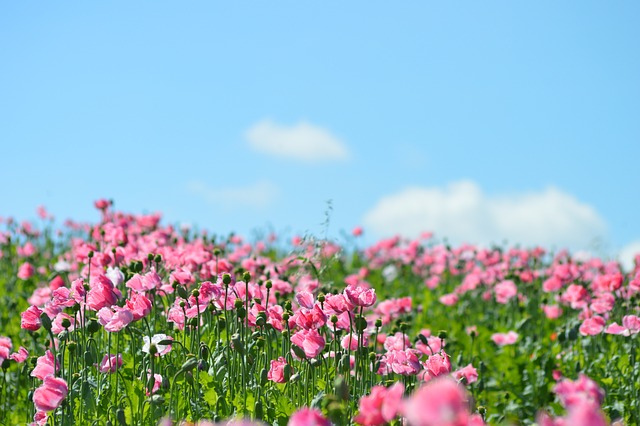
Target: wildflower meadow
130	321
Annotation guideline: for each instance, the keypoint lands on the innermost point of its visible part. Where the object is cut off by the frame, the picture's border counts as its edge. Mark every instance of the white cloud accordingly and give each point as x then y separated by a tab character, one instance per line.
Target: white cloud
628	253
302	141
463	213
258	195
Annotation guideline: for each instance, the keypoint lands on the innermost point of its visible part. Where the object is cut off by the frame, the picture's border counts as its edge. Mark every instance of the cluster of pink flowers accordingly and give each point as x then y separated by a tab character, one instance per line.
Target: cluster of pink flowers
582	399
133	269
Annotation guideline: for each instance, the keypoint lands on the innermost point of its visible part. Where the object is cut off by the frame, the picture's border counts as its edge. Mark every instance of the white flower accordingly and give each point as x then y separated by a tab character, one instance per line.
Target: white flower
115	275
155	340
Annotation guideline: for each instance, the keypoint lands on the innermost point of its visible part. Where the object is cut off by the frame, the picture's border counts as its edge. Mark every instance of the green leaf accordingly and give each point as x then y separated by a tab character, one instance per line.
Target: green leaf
285	406
211	396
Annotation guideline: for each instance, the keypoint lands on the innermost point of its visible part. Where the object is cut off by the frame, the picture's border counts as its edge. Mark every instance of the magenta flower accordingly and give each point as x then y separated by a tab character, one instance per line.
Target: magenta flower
50	394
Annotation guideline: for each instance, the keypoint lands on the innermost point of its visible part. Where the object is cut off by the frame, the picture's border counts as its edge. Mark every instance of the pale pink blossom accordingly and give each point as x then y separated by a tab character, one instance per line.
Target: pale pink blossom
592	326
308	417
502	339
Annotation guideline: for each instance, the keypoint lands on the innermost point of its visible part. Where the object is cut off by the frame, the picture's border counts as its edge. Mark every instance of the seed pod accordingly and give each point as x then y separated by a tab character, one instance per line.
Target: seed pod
121	418
287	371
263	377
188	365
259	410
345	363
341	388
93	326
298	351
182	292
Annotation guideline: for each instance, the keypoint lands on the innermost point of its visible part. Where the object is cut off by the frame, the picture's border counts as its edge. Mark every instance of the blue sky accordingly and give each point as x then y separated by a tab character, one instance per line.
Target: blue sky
481	121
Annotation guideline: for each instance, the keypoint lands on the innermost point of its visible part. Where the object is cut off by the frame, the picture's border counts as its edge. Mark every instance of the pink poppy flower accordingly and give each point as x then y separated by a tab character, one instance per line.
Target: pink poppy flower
114	321
449	299
584	413
405	362
309	318
310	341
437	365
102	204
502	339
336	304
181	276
616	329
360	296
305	299
276	372
30	319
102	293
350	341
440	402
26	271
44	366
398	342
469	373
592	326
631	323
139	305
110	363
5	347
380	406
505	291
40	418
583	389
552	311
20	356
157	382
308	417
50	394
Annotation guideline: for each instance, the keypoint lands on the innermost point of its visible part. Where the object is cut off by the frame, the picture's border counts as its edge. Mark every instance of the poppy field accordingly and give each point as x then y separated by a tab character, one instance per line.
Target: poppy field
130	321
